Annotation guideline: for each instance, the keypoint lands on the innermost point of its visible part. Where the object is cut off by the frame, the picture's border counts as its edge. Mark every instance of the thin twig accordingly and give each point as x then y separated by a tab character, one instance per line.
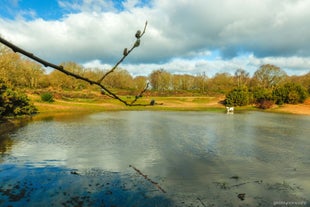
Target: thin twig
141	93
239	184
125	54
91	82
148	179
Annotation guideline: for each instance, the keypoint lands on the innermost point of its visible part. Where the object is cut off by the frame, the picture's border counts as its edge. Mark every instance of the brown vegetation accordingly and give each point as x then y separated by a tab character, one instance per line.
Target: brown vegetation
185	103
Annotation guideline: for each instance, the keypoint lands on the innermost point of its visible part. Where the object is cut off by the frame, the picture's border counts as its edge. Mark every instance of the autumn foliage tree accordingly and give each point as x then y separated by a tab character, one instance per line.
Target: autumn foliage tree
265	80
268	76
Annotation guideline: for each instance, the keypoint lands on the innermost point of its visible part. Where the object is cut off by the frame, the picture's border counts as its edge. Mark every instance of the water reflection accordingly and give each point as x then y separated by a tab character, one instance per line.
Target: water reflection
55	186
190	154
6	144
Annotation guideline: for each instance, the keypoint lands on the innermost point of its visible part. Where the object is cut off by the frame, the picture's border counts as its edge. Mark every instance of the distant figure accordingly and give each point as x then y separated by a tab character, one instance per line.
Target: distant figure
230	110
152	103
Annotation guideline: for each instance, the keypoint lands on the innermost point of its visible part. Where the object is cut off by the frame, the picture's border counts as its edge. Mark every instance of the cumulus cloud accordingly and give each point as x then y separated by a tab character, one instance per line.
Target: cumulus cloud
181	35
291	65
277	28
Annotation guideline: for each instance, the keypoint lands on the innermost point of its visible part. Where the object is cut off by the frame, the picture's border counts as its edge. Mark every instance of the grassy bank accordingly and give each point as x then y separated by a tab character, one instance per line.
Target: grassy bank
197	103
107	104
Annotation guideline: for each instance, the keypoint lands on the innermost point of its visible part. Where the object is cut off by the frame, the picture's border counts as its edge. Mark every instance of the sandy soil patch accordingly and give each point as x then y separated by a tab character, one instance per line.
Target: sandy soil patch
296	109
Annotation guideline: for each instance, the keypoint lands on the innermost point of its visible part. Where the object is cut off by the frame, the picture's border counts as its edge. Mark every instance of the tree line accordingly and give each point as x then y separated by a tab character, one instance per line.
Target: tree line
269	82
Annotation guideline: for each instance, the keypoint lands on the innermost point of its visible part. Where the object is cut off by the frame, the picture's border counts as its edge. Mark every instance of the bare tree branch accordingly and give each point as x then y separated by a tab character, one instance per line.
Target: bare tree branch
98	83
141	93
126	52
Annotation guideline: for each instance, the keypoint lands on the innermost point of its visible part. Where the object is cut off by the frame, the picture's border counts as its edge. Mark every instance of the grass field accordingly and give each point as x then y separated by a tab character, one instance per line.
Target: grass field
175	103
108	104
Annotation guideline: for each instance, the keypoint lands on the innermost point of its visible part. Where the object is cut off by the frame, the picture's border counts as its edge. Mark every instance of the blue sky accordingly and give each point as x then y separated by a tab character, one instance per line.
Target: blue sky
45	9
183	36
31	9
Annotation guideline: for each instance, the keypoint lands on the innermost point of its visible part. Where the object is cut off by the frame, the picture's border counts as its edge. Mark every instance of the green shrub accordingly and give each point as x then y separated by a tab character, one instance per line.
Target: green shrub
260	93
262	97
47	97
238	97
280	95
14	103
291	93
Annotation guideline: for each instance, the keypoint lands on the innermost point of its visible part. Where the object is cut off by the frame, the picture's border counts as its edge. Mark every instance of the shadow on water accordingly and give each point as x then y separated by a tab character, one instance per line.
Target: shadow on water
54	186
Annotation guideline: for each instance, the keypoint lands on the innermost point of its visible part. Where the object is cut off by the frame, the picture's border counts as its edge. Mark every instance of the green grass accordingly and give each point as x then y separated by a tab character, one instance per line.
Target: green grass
108	104
102	103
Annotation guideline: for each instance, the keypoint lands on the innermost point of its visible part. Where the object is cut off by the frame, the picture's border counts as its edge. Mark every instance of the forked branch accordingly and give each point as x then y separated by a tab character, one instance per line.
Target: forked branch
126	52
60	68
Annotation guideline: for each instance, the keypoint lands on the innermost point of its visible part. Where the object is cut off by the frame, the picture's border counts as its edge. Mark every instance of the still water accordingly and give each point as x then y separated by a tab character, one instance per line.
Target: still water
157	159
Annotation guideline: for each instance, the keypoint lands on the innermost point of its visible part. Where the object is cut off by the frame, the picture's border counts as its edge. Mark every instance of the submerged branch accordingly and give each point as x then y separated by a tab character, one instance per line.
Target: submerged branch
60	68
148	179
239	184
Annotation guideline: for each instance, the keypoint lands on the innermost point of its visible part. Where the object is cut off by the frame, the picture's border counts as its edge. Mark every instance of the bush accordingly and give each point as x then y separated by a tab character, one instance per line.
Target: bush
263	98
280	95
14	103
264	104
260	93
291	93
47	97
238	97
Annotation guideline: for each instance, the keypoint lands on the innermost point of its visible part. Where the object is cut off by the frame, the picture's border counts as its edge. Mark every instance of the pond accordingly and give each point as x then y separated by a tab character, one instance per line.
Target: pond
148	158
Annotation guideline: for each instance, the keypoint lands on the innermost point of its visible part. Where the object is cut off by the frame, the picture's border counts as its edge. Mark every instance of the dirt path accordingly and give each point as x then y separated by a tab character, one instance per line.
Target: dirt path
303	109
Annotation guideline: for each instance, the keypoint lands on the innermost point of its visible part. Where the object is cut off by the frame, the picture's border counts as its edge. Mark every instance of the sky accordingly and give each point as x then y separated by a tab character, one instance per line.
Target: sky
182	36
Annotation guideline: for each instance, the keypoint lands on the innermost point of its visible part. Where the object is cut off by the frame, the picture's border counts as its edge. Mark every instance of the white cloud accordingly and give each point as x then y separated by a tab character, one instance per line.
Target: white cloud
250	63
181	36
